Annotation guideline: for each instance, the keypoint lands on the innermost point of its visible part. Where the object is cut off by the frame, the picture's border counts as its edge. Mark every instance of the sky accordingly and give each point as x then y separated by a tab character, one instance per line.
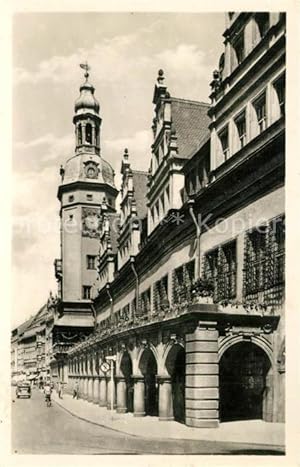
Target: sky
125	52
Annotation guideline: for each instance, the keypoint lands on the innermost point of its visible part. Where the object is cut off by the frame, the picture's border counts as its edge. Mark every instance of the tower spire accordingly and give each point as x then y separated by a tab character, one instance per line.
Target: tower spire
86	119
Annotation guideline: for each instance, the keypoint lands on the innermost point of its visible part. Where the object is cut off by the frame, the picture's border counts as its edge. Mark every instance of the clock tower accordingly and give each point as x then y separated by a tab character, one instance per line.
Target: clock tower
86	181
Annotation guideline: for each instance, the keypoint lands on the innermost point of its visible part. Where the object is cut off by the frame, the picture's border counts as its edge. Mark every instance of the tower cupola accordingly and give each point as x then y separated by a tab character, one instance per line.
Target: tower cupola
86	119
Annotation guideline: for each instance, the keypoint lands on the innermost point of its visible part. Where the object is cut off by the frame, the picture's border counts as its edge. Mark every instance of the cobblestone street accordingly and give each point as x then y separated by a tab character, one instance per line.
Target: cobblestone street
54	431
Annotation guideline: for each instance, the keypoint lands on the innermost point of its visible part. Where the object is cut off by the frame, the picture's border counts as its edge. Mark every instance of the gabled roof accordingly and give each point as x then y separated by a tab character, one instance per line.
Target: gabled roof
140	180
190	120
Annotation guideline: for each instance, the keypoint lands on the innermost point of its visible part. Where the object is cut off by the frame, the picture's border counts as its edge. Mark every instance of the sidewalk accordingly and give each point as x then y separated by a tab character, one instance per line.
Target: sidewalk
252	431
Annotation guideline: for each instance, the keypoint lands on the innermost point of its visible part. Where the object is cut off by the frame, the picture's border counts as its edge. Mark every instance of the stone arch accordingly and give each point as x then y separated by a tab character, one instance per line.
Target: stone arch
259	341
141	351
126	371
246	380
169	357
175	367
148	368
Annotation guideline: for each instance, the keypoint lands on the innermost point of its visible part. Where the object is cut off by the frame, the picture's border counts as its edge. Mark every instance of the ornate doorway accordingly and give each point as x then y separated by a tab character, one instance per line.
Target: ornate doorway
245	383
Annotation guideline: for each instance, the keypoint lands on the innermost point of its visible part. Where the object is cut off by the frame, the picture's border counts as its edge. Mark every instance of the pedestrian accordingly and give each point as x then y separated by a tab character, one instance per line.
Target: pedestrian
76	390
47	392
60	390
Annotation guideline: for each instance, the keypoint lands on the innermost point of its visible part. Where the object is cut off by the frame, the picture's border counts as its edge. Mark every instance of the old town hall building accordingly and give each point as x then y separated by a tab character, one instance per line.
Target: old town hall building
183	282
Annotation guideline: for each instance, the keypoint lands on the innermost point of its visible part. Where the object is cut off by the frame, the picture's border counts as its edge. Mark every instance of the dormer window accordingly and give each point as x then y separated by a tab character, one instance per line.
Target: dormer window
224	140
279	87
261	113
238	45
240	123
263	23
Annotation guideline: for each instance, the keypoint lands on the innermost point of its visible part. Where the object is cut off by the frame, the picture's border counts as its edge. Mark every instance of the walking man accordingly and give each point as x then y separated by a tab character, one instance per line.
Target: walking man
76	390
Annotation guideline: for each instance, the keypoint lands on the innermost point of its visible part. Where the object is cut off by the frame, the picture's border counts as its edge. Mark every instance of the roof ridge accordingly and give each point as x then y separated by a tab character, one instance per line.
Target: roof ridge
144	172
190	101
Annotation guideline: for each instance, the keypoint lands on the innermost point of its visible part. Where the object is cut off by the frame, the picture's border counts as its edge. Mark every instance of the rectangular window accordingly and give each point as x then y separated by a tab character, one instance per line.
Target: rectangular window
279	86
161	301
183	278
220	269
91	261
261	112
86	292
255	260
125	313
145	302
264	261
89	197
133	307
224	140
277	246
240	123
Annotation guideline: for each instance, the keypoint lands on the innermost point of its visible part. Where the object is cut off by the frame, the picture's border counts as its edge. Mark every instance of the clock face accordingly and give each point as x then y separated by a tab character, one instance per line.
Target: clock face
92	222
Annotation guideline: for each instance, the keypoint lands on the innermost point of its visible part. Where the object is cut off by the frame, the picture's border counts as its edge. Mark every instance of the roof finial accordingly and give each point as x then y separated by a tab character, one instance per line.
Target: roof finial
160	78
126	154
86	67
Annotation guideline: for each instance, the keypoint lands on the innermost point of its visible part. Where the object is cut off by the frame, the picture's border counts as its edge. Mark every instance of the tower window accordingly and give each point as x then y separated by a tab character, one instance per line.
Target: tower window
91	261
71	198
86	292
88	130
79	134
89	197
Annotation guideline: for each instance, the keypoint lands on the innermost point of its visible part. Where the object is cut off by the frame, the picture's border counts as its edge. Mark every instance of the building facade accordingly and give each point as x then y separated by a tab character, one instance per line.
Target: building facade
184	287
29	349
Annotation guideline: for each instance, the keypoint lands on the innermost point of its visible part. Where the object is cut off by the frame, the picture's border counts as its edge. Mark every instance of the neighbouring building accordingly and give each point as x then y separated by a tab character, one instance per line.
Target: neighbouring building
185	285
28	349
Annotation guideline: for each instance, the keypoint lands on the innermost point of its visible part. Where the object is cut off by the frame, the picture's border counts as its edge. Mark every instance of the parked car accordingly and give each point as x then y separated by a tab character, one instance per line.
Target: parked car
23	389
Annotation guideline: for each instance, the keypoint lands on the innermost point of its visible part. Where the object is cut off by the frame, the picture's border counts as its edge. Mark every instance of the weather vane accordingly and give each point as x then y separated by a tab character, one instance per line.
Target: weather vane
86	67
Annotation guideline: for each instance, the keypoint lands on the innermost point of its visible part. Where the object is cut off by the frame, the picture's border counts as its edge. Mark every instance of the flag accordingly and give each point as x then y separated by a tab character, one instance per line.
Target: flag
85	66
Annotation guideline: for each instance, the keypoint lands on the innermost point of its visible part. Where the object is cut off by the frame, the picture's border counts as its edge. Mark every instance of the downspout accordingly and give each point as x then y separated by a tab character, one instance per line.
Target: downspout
132	263
94	315
191	204
111	301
